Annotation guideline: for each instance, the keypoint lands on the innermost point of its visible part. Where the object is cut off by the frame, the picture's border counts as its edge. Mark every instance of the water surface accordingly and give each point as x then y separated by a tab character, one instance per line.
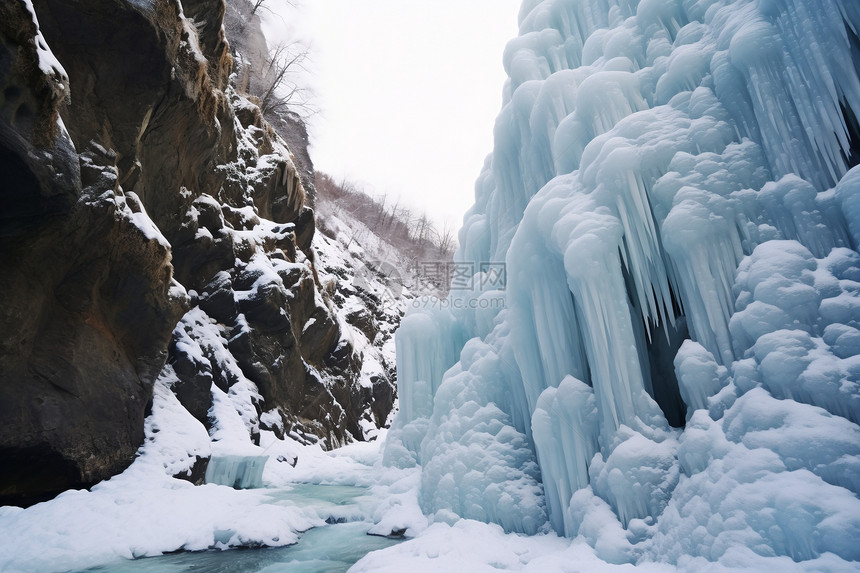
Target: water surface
333	548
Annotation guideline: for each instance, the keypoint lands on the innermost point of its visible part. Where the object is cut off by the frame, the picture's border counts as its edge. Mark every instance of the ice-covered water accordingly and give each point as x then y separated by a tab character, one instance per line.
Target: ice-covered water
332	548
240	472
329	549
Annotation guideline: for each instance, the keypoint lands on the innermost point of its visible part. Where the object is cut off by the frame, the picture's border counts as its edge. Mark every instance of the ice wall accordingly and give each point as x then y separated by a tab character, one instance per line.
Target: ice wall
670	192
239	472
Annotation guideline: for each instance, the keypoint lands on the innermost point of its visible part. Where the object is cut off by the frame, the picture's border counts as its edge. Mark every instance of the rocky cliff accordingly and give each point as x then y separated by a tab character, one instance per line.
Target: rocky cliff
152	224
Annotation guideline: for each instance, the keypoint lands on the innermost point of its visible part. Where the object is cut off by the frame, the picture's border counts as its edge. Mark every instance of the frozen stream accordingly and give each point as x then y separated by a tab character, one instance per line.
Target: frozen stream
329	549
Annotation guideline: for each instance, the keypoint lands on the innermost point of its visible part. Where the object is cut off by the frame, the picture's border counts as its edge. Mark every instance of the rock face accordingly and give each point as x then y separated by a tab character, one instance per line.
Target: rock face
149	219
88	306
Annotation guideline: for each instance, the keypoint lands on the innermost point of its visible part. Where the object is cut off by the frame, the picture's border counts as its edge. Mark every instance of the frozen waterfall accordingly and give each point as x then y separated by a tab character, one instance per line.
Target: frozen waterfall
239	472
670	191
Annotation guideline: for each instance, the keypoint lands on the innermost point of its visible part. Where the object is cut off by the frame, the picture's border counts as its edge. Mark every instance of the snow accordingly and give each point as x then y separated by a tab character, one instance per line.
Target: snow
131	208
465	546
49	65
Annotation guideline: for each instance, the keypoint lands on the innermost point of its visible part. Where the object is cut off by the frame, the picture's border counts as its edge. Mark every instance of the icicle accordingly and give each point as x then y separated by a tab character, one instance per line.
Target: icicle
565	429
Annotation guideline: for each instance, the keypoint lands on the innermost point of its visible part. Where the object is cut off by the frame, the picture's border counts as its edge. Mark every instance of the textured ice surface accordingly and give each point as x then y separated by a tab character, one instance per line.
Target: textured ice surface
475	463
239	472
670	192
564	426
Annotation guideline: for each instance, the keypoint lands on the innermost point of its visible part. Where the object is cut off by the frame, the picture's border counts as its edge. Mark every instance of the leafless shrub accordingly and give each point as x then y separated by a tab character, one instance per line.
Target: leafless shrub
275	79
257	4
277	82
414	235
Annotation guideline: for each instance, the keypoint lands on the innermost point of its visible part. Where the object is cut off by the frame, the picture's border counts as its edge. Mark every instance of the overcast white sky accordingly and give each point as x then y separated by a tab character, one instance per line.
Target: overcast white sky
408	91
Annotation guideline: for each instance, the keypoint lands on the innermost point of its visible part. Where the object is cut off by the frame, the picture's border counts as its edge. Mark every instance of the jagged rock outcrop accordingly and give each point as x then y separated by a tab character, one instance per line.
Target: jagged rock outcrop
88	300
160	224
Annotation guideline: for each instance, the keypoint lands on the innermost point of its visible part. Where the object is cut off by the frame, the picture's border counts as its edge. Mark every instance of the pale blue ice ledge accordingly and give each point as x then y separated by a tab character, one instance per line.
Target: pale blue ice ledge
239	472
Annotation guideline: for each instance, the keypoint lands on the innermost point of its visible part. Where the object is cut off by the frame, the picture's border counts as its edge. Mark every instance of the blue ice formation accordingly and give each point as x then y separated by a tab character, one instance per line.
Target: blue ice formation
675	372
239	472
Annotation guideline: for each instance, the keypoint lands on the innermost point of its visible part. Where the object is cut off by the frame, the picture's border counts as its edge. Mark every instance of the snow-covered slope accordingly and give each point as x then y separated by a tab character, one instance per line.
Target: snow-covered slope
675	373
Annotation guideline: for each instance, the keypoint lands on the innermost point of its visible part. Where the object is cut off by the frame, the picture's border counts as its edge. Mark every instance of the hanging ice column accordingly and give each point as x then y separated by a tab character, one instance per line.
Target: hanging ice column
588	240
428	343
564	427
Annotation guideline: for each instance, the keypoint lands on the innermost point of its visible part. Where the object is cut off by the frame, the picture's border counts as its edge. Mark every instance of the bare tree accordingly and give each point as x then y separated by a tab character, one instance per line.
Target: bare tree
446	240
388	218
257	4
380	216
404	215
422	226
275	84
412	234
261	4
